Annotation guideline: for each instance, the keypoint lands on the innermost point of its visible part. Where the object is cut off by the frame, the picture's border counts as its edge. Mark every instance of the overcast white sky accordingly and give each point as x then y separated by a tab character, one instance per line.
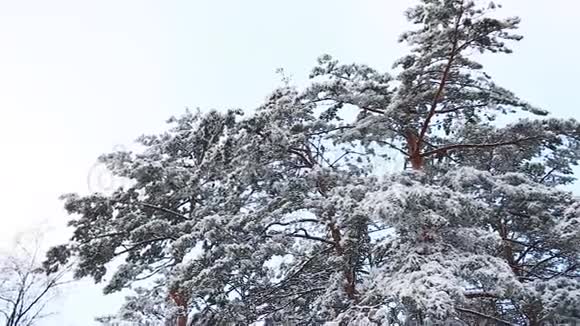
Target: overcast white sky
79	78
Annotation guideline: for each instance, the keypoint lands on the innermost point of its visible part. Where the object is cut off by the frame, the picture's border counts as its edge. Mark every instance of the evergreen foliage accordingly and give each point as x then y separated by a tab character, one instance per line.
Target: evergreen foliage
286	215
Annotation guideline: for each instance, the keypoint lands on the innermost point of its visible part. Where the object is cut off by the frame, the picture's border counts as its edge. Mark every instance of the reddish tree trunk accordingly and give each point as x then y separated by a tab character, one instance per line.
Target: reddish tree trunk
414	145
180	301
182	320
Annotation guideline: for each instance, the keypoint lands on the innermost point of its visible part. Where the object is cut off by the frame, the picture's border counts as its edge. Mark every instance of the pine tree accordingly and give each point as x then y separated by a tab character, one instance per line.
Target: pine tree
288	215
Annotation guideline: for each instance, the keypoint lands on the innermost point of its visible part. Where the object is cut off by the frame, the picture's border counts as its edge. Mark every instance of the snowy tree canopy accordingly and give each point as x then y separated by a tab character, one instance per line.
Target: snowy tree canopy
288	215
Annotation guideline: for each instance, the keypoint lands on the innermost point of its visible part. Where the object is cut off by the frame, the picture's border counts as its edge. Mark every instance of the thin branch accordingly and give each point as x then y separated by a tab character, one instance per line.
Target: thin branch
475	295
543	261
568	270
320	153
104	235
323	132
310	237
49	286
154	207
458	108
390	145
462	146
7	300
339	158
303	236
350	103
142	243
526	251
476	313
304	220
305	160
165	210
548	175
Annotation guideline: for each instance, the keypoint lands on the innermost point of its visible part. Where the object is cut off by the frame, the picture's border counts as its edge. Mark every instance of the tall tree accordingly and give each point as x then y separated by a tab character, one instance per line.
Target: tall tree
287	214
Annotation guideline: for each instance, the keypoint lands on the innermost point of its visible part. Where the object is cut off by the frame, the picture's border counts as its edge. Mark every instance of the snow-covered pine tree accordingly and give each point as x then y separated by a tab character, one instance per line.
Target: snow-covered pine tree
288	215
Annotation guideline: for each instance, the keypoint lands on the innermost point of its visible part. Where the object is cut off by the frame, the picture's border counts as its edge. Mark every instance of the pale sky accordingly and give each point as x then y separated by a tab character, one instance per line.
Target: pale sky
80	78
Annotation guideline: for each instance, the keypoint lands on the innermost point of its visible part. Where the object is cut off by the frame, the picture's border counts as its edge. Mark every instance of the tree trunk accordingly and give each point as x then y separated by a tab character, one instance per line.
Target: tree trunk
180	301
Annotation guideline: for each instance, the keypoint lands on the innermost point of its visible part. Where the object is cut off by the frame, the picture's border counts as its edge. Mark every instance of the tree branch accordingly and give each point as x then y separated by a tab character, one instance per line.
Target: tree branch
165	210
142	243
462	146
475	295
476	313
548	175
458	108
305	220
441	87
154	207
